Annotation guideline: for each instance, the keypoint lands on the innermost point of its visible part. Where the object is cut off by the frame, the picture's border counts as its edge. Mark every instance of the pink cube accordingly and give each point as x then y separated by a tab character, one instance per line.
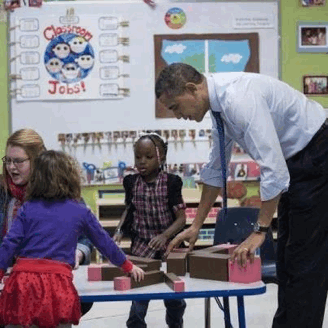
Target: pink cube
179	286
94	272
122	283
250	273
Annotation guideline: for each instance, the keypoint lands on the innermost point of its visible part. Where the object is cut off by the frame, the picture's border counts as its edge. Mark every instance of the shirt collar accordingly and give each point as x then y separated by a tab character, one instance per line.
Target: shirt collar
155	183
214	102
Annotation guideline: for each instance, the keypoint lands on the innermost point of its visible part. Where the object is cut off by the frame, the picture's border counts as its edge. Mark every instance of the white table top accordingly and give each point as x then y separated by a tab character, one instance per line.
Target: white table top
101	291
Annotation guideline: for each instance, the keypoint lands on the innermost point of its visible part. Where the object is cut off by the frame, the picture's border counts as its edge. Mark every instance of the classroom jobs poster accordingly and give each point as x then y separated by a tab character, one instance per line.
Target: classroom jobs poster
69	57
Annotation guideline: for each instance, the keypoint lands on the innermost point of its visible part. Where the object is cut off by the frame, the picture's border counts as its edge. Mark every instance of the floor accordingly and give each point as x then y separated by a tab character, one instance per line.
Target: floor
259	313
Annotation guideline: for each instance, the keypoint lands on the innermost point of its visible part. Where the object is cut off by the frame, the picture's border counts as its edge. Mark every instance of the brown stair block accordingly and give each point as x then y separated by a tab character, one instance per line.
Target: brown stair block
174	282
209	266
151	278
215	266
152	264
176	262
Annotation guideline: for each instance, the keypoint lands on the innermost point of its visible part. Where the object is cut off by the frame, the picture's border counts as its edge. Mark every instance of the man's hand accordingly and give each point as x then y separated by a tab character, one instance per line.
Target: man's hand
247	248
79	257
190	235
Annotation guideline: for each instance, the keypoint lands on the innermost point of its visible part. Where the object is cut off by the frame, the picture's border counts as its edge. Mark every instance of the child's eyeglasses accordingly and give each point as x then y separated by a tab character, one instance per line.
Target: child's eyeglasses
15	161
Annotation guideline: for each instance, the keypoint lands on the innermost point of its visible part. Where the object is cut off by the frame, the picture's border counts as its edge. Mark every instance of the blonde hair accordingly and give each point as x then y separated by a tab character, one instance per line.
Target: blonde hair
30	141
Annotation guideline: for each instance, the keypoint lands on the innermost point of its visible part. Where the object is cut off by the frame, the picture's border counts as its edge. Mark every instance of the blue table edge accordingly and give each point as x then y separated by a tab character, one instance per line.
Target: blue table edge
174	295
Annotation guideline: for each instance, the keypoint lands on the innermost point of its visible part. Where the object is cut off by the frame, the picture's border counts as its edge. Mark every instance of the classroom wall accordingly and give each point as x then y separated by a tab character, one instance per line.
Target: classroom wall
293	65
4	107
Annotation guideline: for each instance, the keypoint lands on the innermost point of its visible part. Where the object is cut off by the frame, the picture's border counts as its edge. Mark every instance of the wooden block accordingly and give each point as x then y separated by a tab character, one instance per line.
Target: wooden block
251	273
109	271
174	282
226	249
94	272
151	263
215	266
209	266
122	283
151	278
177	263
221	248
144	267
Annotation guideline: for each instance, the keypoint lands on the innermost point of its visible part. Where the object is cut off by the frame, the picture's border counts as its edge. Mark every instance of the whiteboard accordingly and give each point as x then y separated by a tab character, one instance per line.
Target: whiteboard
99	108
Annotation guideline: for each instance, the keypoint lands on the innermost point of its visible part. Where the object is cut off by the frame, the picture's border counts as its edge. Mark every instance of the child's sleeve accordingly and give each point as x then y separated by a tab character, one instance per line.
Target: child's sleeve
104	243
175	199
128	184
84	244
13	239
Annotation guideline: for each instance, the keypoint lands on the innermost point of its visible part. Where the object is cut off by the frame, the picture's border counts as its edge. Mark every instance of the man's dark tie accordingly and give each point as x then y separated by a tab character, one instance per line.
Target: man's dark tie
220	127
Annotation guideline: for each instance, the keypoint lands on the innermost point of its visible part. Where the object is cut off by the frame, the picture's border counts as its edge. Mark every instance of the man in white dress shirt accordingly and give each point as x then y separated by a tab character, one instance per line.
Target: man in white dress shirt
285	133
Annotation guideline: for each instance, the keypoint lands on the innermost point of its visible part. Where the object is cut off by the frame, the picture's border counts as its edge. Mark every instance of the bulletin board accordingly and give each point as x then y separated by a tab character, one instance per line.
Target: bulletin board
90	66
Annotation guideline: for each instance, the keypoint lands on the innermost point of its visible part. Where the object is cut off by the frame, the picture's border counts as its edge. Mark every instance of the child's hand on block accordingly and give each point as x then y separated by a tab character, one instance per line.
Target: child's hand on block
137	273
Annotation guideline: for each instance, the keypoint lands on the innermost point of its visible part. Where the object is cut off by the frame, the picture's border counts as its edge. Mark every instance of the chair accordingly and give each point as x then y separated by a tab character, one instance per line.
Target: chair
234	229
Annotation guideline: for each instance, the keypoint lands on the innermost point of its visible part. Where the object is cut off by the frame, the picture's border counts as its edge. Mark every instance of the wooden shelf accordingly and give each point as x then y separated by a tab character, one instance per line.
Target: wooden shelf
109	210
207	221
125	244
110	201
204	243
109	223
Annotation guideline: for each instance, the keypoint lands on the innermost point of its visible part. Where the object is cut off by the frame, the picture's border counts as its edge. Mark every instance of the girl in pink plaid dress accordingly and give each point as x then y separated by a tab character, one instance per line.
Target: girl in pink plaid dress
155	213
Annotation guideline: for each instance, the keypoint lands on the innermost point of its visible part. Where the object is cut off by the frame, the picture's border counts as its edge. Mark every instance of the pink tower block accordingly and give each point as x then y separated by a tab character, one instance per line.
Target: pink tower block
250	273
122	283
94	272
179	286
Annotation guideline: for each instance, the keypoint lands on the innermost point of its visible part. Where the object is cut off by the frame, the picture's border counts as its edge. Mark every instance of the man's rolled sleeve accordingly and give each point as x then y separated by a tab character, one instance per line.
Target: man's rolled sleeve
211	176
270	190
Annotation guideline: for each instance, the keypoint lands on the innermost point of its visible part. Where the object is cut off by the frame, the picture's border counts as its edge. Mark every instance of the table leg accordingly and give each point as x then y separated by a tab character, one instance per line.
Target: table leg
226	307
207	313
241	312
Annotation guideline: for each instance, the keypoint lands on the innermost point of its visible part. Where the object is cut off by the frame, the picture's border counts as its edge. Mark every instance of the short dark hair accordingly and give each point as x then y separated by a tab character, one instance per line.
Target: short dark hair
173	78
56	175
157	141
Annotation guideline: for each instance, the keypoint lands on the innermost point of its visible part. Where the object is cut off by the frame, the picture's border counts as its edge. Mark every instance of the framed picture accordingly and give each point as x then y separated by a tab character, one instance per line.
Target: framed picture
241	171
315	85
312	37
312	3
209	49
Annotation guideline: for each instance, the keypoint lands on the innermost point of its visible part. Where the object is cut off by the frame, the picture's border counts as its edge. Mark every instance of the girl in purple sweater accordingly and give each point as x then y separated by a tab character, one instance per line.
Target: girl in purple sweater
40	291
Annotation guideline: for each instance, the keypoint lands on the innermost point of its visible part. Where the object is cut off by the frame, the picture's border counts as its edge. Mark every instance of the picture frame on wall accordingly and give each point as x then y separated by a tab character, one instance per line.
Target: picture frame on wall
313	3
315	85
312	37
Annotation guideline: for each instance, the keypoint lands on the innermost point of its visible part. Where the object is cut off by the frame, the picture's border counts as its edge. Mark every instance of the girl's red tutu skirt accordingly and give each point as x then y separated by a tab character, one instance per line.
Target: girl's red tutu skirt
39	292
